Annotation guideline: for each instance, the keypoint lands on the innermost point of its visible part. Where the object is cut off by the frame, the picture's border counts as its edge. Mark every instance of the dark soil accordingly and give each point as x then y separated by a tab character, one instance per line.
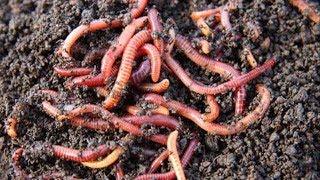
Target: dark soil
285	144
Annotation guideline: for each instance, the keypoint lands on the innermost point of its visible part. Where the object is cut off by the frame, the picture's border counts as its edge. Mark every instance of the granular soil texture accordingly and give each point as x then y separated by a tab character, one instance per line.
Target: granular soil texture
283	145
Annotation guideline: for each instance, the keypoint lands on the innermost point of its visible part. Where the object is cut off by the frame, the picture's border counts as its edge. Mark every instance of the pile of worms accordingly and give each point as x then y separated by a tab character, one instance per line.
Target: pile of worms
145	36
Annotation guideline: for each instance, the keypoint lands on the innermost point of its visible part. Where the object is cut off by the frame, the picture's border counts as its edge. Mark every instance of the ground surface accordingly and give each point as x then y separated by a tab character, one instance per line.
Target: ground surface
284	144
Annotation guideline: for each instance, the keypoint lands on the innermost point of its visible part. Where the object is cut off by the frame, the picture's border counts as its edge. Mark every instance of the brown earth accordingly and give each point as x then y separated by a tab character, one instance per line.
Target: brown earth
283	145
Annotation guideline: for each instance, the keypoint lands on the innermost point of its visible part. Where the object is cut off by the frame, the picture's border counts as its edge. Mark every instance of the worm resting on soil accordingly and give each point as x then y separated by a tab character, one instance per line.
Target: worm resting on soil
159	87
157	120
135	110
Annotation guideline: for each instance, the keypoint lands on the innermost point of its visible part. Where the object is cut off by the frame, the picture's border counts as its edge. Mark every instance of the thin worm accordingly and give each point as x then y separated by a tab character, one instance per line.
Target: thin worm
218	129
119	172
171	174
158	161
11	127
204	27
51	110
250	58
117	122
174	155
107	161
205	46
135	110
155	59
214	109
159	87
95	124
157	120
124	74
205	14
80	155
19	173
98	25
156	29
225	18
223	69
141	74
306	9
112	54
70	72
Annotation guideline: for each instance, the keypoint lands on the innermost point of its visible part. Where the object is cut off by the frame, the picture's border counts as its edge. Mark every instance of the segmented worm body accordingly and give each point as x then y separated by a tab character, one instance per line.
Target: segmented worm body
250	58
93	124
135	110
156	29
157	120
158	161
219	129
214	109
141	74
305	8
155	59
159	87
51	110
71	72
98	25
225	18
205	14
107	161
78	155
126	67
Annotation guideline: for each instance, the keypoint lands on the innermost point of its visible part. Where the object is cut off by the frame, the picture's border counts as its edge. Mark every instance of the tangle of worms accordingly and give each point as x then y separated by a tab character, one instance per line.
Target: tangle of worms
171	174
214	128
98	25
80	155
156	29
306	9
155	59
157	120
174	155
126	67
107	161
141	74
159	87
135	110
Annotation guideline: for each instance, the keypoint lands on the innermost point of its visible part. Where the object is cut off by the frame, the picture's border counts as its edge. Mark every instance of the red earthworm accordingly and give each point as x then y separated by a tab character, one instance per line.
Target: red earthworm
142	72
51	110
250	58
19	173
214	109
171	174
225	19
119	172
107	161
214	66
306	9
159	87
80	155
11	127
135	110
112	54
219	129
158	161
204	45
155	59
98	25
95	124
205	14
117	122
93	55
156	29
174	155
157	120
69	72
49	92
126	67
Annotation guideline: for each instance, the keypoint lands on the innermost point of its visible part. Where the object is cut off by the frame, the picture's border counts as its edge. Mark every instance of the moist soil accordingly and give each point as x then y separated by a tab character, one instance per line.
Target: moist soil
283	145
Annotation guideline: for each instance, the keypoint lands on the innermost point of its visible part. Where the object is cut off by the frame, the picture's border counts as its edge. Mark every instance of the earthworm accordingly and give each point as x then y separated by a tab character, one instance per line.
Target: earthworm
49	92
250	58
19	173
171	174
119	172
96	124
219	129
225	18
214	109
93	55
135	110
11	127
306	9
158	161
205	46
112	54
214	66
80	155
204	27
98	25
156	29
117	122
157	120
141	74
124	74
174	155
107	161
159	87
72	71
155	59
205	14
51	110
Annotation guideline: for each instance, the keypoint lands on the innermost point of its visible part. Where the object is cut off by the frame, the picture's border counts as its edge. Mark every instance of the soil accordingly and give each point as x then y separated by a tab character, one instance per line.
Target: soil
285	144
